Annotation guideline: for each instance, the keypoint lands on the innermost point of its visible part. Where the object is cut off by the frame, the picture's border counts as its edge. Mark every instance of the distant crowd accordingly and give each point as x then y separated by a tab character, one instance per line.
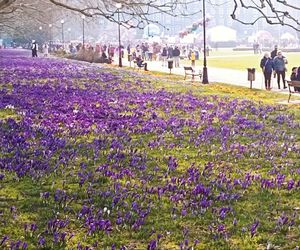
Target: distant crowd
106	53
273	63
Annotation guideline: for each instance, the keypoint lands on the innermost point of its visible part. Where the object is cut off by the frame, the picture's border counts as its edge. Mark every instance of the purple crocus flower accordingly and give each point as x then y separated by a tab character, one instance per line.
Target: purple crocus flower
25	245
254	228
5	238
41	241
152	245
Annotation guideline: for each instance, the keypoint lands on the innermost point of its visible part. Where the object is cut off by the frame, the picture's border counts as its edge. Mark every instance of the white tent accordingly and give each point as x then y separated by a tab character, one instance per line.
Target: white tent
221	34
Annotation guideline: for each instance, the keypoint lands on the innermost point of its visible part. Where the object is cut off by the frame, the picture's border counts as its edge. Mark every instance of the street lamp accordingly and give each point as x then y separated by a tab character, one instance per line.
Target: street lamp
205	76
83	17
40	33
62	31
119	6
50	27
69	33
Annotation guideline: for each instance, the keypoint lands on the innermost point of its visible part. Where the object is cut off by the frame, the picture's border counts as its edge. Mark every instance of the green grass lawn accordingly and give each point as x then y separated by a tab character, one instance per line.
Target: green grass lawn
242	61
172	161
229	52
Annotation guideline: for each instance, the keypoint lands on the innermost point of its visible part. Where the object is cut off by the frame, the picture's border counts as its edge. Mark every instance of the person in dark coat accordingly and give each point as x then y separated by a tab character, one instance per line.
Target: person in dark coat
279	66
140	63
34	48
170	52
104	59
297	79
267	67
274	52
164	55
294	74
176	56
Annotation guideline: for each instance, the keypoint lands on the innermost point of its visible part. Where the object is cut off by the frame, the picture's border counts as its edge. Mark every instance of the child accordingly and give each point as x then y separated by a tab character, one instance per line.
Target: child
294	74
193	58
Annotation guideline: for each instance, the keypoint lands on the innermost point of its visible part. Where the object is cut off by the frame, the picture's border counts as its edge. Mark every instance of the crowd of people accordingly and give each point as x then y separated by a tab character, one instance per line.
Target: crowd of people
272	64
163	53
106	53
275	63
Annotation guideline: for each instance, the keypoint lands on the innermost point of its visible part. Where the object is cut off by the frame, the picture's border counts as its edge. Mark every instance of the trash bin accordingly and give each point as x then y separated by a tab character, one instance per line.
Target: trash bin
251	76
170	65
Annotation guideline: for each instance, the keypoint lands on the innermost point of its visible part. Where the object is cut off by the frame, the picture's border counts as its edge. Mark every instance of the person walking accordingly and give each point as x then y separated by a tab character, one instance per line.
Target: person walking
170	52
274	52
34	48
128	49
150	52
176	56
46	50
164	55
279	66
267	66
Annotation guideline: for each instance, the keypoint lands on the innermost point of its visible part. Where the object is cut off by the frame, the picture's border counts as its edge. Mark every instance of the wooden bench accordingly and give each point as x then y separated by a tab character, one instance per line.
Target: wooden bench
296	85
189	71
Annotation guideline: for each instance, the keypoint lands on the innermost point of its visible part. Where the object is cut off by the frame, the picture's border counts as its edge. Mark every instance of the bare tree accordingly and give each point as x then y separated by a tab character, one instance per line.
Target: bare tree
22	18
134	13
274	12
137	13
6	3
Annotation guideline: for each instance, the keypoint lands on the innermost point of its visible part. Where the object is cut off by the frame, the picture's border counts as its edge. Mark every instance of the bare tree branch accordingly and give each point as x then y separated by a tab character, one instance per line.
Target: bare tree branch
139	13
6	3
135	14
274	12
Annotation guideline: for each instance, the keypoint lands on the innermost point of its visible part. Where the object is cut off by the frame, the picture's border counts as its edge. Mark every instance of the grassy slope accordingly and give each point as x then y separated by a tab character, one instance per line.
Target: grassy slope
25	194
242	61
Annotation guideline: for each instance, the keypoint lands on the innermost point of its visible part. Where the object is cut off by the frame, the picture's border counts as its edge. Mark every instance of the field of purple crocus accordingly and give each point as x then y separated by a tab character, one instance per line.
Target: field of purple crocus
97	158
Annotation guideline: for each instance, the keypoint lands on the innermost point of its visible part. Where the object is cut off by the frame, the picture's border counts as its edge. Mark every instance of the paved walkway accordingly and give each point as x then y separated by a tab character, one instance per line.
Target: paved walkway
222	75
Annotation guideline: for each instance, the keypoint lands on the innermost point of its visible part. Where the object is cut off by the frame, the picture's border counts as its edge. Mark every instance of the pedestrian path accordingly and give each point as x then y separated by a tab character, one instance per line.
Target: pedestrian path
221	75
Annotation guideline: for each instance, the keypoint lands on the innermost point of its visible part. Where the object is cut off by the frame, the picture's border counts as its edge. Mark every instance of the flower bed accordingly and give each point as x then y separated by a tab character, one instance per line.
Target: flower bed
96	159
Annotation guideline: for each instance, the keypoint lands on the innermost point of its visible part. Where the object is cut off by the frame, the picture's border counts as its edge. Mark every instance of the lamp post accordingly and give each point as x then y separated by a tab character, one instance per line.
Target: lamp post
205	76
69	34
50	27
40	33
62	31
83	17
119	6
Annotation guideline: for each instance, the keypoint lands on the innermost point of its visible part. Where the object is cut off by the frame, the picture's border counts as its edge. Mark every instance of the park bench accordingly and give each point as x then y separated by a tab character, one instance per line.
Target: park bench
293	84
189	71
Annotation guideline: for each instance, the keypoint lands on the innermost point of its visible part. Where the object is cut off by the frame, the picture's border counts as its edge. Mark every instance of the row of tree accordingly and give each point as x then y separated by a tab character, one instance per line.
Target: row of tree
23	17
